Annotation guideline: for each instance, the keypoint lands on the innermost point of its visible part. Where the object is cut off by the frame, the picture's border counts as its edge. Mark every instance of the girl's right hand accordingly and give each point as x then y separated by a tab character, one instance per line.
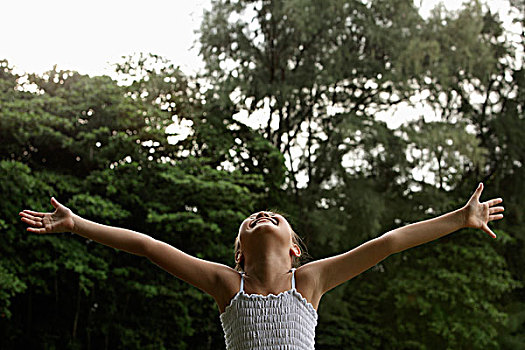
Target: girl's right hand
61	220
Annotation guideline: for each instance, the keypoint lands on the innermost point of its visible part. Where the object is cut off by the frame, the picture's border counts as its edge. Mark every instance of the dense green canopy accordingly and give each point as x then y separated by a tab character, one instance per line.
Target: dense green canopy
313	75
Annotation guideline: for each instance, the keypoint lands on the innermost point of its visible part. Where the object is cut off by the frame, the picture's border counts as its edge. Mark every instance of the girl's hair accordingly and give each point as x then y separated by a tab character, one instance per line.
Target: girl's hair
296	261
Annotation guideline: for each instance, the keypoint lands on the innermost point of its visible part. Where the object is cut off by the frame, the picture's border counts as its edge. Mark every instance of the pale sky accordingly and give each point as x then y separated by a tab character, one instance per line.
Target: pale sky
87	36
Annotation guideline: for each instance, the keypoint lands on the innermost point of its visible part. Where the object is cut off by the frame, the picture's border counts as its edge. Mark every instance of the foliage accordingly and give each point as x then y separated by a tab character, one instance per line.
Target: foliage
174	157
87	142
319	72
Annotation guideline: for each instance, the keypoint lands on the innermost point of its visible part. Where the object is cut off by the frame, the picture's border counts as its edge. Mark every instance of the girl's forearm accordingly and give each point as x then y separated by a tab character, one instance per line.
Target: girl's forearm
119	238
425	231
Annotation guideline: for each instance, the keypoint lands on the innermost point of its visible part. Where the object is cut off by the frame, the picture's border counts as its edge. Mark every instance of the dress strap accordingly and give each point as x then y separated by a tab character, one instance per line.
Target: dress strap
293	278
242	282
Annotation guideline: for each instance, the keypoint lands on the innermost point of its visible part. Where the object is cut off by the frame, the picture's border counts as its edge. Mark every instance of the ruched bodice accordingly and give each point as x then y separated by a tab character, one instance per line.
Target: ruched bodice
283	321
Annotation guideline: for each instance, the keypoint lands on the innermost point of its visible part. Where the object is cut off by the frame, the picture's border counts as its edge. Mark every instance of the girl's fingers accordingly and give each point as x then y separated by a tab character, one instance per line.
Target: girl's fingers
488	231
496	210
36	230
494	201
31	217
54	202
478	191
32	222
35	213
495	217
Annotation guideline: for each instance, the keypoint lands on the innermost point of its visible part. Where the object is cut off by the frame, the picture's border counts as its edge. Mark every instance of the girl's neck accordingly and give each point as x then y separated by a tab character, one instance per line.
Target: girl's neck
266	270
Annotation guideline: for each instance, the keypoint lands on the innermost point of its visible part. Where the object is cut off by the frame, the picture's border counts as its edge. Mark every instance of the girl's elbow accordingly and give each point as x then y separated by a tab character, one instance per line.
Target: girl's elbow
147	246
389	243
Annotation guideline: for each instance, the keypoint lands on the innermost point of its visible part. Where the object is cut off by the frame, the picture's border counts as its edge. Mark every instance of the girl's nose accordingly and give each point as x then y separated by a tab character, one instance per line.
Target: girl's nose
261	214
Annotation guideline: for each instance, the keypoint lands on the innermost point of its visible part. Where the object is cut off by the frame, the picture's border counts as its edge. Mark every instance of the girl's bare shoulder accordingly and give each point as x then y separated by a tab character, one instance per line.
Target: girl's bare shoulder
230	278
308	284
230	282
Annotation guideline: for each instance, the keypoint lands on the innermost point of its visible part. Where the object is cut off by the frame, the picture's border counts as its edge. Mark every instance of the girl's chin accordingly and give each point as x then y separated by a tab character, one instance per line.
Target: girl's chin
265	226
265	223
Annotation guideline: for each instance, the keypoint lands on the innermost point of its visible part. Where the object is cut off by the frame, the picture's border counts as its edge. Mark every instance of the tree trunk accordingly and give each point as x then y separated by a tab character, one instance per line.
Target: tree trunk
77	312
29	311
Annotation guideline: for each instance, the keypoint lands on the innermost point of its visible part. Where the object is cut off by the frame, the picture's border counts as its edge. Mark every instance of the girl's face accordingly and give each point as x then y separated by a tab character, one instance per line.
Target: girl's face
266	229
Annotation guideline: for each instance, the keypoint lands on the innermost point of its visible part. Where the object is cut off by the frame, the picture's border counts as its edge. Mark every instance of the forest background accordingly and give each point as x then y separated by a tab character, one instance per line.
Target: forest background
320	71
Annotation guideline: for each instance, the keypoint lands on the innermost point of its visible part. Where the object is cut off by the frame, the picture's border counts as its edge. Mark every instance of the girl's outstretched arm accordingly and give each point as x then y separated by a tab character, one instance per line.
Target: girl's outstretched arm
338	269
474	214
64	220
202	274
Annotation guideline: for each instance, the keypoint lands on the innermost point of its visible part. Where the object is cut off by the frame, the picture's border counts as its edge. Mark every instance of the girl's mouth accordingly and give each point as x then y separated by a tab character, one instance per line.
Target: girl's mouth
272	220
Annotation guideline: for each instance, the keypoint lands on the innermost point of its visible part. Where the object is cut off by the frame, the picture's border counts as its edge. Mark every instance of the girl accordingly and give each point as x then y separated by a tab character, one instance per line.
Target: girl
268	304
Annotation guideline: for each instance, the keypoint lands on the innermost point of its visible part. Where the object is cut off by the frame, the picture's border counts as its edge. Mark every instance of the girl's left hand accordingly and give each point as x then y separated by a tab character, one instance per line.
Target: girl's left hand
477	215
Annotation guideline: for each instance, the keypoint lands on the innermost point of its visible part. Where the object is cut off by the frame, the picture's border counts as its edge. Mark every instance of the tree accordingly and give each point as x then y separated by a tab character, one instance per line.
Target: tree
318	72
308	65
104	150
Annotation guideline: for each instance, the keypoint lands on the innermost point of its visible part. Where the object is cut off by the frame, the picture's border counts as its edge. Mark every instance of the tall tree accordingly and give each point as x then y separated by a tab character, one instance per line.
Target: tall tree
307	65
312	75
105	151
